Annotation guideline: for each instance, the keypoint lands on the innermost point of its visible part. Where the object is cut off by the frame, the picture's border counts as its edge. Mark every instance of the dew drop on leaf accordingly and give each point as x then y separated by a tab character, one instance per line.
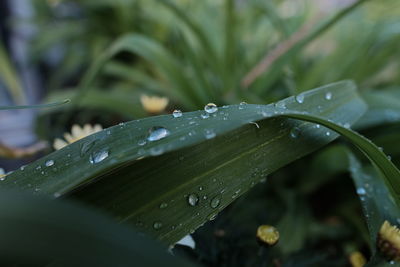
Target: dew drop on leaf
157	225
193	200
215	202
209	134
141	142
157	133
361	191
49	163
163	205
205	116
98	156
210	108
177	113
295	132
328	96
299	98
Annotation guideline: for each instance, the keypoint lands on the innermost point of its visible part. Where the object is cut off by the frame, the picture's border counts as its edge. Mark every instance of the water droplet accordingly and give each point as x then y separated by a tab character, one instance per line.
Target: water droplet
177	113
328	96
242	104
200	188
280	104
209	134
299	98
21	168
236	193
49	163
210	108
98	156
193	200
346	125
295	132
328	133
361	191
156	151
157	133
157	225
317	126
205	116
163	205
141	142
215	202
212	216
57	194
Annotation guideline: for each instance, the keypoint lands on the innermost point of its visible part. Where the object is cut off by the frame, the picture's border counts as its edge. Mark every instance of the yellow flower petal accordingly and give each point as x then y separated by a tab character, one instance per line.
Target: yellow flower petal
388	241
154	104
69	138
59	143
77	133
357	259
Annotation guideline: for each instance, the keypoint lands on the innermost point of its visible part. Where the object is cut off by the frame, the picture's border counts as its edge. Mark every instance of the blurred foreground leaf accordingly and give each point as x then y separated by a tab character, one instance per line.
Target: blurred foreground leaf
37	231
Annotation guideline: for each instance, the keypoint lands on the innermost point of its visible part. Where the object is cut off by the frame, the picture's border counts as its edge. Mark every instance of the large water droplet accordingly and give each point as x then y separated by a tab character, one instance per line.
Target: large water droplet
215	202
49	163
193	199
209	134
328	96
210	108
157	133
299	98
98	156
177	113
157	225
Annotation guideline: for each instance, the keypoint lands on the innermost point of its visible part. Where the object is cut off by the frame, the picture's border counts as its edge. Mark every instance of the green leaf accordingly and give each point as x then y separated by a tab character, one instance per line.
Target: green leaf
49	105
170	187
390	173
37	231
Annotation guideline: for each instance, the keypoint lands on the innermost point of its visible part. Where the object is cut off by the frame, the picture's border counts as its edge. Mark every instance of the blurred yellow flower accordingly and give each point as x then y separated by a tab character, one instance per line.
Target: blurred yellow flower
154	104
77	133
357	259
267	235
388	241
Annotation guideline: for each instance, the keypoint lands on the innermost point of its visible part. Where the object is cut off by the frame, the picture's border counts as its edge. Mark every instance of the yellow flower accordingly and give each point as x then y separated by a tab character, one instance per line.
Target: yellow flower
267	234
77	133
357	259
388	241
154	104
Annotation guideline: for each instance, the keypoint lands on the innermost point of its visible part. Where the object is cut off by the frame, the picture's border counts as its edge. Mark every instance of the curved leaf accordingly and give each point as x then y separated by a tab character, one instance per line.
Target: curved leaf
172	186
